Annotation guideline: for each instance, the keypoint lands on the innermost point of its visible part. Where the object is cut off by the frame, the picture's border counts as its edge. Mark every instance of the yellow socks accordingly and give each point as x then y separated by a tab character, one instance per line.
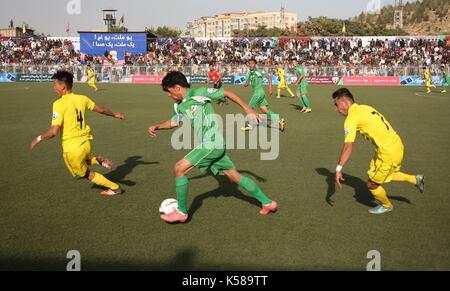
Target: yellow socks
290	91
402	177
100	180
94	161
381	195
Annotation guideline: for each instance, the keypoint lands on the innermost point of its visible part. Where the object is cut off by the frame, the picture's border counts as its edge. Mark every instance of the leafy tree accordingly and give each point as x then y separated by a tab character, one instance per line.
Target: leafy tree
163	31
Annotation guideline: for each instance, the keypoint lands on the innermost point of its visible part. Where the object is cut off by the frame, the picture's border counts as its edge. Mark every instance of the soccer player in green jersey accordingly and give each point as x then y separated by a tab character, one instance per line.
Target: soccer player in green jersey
255	77
302	86
195	106
445	79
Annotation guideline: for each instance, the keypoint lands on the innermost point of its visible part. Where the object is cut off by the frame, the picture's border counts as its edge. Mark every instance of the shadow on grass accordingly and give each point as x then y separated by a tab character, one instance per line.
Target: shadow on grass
225	189
121	172
187	259
297	107
184	259
362	194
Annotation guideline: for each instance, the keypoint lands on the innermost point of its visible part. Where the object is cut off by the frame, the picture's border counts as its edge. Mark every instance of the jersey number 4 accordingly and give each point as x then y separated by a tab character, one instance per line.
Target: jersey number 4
80	118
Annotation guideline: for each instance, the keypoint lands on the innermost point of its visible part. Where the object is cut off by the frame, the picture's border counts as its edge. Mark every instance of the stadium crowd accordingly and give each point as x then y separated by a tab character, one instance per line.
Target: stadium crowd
322	52
381	53
38	52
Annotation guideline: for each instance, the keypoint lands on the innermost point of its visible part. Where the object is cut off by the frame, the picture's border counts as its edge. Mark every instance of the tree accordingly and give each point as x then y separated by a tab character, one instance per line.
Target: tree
163	31
119	29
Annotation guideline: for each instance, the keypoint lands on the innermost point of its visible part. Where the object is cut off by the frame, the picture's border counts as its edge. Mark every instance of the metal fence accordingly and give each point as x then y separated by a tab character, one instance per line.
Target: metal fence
123	73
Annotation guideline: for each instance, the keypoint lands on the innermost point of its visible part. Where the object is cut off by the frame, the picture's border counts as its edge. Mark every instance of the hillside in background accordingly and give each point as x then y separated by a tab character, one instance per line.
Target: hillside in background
419	18
427	17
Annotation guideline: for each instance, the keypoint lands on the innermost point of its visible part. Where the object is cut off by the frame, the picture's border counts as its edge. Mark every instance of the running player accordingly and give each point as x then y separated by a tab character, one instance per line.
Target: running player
255	77
195	105
445	79
427	77
91	78
302	86
69	119
283	84
215	77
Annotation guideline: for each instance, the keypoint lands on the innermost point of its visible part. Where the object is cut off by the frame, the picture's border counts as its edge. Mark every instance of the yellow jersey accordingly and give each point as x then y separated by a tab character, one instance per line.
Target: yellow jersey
281	75
426	76
90	73
69	112
374	127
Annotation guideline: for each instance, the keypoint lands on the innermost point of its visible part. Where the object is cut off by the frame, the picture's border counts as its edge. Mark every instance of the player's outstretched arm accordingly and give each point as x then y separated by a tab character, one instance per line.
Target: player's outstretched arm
51	133
345	156
168	124
105	111
238	100
247	83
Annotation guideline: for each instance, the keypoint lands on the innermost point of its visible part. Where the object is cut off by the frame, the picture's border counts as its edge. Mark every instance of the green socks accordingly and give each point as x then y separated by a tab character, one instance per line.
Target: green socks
304	101
274	117
250	186
182	189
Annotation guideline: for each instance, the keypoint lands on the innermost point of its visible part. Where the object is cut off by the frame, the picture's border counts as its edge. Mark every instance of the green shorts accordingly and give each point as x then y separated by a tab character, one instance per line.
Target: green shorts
302	88
215	159
258	99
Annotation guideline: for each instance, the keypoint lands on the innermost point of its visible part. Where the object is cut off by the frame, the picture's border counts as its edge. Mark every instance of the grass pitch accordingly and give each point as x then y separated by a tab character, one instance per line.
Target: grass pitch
45	212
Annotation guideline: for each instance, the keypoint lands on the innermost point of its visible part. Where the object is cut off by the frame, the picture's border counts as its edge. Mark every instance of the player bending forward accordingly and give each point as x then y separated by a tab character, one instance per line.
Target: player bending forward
69	118
387	161
195	106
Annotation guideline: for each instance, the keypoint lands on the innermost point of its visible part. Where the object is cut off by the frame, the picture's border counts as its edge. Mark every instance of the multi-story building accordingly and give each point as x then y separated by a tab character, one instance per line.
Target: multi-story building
16	32
224	24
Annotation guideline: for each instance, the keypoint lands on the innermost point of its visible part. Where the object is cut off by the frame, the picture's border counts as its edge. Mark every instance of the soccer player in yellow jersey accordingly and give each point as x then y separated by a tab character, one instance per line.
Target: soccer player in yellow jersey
283	84
386	163
69	118
91	78
427	77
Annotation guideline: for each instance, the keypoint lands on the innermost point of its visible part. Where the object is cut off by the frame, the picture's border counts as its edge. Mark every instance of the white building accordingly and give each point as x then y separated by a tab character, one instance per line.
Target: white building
224	24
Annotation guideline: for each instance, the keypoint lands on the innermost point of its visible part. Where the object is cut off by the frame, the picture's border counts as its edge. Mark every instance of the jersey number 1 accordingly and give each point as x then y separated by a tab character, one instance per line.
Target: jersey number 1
382	118
80	118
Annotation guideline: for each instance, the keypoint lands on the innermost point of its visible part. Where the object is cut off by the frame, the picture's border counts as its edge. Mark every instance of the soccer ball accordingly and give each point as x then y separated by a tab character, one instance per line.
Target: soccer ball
168	206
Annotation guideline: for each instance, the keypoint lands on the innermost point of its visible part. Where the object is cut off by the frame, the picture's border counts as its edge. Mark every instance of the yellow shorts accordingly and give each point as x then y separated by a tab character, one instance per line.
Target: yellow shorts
91	82
382	168
428	84
282	85
77	161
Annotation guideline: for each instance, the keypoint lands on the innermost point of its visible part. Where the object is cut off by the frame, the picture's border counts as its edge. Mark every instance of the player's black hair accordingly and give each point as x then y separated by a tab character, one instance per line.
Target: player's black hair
64	76
294	59
343	92
174	78
253	60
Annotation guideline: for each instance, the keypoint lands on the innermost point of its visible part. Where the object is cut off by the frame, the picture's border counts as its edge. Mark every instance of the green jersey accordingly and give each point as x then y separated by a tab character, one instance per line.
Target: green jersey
255	78
300	72
196	107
